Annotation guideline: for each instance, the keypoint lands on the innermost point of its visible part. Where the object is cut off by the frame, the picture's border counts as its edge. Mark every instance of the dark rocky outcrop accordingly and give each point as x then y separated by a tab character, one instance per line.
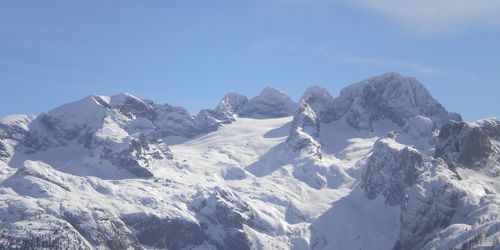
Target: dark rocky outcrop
131	106
426	190
305	129
101	229
222	209
137	156
432	203
229	107
207	121
165	233
390	171
3	151
469	145
314	108
13	129
175	121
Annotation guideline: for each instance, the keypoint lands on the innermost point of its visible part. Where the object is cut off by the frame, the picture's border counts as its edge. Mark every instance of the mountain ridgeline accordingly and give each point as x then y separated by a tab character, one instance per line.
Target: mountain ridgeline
382	165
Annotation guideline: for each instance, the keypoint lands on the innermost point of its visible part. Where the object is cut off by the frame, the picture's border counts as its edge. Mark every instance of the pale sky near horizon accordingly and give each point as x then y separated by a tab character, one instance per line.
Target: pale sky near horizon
190	53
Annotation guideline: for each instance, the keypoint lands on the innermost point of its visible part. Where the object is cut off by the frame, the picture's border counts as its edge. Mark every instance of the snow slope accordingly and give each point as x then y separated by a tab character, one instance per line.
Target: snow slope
288	204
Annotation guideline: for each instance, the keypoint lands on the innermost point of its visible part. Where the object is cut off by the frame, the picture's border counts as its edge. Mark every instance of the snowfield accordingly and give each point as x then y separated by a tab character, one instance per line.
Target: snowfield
282	200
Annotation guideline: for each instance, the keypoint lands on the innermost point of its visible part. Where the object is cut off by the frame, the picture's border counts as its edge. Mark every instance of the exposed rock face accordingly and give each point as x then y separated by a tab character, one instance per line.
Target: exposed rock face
491	127
137	153
165	233
270	103
57	233
234	173
426	190
431	205
222	209
13	129
391	170
130	106
389	96
175	121
100	228
305	129
321	101
230	106
3	151
206	120
314	108
471	145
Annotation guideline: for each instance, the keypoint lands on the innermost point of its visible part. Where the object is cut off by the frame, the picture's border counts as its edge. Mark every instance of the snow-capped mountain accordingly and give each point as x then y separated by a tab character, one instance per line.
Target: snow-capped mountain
383	165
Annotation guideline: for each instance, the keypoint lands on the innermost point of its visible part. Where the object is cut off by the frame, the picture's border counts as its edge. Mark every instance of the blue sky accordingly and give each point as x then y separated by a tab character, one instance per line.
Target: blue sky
190	53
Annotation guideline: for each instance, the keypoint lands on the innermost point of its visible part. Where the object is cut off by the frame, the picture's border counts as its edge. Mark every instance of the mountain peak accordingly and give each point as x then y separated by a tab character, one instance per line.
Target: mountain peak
271	91
85	111
389	76
233	96
388	96
124	98
271	95
271	102
316	92
320	101
229	106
